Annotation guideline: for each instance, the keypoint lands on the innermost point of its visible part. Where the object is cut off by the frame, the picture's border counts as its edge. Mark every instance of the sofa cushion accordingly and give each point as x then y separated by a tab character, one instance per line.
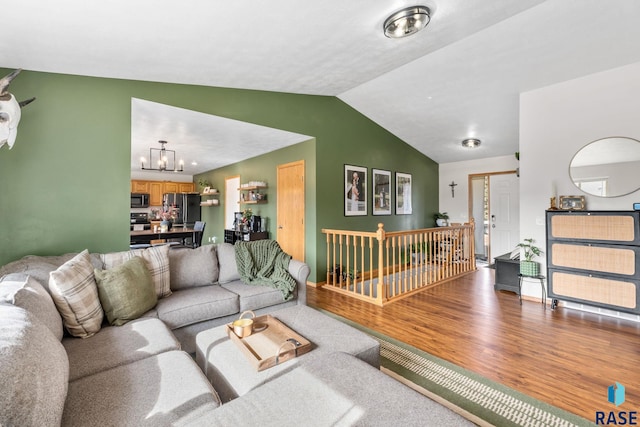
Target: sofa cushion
335	390
75	293
253	297
196	305
227	261
34	371
193	267
24	291
156	391
118	345
126	291
157	259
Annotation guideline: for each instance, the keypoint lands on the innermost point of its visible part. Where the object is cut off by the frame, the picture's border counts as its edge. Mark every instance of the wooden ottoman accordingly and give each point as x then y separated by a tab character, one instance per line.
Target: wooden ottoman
232	374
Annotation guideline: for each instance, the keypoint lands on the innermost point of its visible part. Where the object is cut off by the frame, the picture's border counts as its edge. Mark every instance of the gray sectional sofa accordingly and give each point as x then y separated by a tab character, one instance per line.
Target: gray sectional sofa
139	373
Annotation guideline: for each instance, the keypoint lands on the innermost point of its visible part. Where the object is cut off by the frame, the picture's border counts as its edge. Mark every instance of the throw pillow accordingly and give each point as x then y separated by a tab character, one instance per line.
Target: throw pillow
126	291
75	293
193	267
227	260
24	291
157	260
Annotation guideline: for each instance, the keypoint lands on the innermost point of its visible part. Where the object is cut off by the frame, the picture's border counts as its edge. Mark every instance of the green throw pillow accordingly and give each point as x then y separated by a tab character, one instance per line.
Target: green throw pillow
126	291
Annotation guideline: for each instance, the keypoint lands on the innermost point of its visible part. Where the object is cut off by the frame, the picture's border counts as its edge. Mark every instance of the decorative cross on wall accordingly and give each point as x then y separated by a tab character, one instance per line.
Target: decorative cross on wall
453	185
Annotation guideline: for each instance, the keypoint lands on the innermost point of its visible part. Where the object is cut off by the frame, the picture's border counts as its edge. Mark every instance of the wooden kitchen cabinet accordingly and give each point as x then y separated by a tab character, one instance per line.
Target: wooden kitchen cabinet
186	187
156	189
139	186
171	187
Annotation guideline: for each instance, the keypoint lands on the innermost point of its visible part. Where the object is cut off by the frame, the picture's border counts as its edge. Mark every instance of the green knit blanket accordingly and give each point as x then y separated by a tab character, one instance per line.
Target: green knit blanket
263	262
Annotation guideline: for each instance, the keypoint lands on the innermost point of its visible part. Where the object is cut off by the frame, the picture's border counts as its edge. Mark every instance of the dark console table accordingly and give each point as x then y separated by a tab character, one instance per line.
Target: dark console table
507	273
232	236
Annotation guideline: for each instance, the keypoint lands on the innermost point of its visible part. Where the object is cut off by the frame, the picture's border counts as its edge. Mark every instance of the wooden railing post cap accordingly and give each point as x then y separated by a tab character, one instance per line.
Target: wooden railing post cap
380	232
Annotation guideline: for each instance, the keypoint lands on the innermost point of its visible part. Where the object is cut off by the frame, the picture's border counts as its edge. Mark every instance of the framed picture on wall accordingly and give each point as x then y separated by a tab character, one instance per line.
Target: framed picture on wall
355	190
403	194
381	192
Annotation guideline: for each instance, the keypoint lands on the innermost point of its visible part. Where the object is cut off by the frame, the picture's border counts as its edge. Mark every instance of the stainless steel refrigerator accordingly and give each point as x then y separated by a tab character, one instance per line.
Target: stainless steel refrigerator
185	205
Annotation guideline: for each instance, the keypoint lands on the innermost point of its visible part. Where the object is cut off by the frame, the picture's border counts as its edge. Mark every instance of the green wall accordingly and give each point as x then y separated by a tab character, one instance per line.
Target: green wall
66	181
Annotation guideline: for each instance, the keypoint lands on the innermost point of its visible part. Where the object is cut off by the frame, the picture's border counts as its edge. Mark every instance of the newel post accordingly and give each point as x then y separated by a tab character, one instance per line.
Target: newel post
381	237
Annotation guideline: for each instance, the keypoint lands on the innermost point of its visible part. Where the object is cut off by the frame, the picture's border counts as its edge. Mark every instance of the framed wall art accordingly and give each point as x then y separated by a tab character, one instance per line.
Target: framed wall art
381	192
403	193
355	190
572	203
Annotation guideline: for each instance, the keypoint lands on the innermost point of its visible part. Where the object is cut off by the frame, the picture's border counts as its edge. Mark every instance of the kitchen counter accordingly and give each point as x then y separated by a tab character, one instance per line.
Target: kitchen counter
146	236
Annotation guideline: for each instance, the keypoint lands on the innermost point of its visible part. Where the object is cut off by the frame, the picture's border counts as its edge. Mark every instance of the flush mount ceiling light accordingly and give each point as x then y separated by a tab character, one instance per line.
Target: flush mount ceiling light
471	143
165	159
407	21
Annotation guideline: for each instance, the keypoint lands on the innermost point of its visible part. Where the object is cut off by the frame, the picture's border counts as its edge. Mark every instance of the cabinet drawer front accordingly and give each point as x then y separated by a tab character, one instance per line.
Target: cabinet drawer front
600	258
620	228
591	289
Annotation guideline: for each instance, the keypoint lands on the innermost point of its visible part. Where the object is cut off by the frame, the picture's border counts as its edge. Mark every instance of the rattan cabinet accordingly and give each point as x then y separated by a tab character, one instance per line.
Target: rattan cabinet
593	257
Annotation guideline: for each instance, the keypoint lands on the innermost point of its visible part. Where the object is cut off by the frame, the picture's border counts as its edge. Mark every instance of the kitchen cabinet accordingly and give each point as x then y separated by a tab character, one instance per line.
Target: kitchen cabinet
139	186
186	187
593	258
156	189
171	187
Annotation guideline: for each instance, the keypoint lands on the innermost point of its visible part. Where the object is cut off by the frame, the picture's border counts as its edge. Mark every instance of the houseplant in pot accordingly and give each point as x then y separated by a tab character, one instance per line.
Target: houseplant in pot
529	267
442	219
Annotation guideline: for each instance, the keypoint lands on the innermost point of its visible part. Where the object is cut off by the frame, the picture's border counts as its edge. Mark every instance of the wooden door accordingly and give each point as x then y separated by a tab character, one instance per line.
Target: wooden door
290	209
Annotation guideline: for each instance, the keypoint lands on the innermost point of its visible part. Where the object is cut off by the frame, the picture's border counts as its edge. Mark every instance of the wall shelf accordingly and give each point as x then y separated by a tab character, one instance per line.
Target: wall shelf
245	194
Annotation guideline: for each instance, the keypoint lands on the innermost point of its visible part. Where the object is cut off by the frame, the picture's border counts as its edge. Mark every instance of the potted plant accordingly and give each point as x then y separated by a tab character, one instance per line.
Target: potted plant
528	267
442	219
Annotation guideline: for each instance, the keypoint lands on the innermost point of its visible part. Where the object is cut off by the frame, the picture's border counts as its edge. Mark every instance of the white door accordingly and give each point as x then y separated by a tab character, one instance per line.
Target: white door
504	214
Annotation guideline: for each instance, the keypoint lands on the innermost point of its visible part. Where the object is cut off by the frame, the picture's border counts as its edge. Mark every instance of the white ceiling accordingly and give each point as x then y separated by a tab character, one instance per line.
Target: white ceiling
460	77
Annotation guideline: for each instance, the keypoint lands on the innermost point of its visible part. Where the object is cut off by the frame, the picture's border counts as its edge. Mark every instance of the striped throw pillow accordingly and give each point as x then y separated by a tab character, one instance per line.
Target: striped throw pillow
75	292
156	259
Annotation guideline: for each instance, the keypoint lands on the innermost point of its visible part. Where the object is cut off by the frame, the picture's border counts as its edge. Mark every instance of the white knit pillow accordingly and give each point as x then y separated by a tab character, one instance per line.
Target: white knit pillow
156	259
75	292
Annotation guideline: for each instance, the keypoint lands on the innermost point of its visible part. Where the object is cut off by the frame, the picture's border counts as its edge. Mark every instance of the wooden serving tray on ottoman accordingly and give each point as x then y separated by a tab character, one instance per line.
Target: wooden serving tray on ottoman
271	343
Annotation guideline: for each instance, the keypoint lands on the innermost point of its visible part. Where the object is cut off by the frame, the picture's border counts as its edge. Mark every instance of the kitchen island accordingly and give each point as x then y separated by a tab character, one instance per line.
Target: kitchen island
177	232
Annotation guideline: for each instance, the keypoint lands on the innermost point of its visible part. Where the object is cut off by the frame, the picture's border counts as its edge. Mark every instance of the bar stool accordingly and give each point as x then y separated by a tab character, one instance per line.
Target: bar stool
538	277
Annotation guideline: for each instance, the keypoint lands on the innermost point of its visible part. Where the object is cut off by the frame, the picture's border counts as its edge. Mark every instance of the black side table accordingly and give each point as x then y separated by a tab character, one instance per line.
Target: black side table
538	277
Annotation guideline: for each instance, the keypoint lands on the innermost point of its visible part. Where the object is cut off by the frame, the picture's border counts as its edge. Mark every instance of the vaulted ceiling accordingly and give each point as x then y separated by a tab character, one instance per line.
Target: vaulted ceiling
460	77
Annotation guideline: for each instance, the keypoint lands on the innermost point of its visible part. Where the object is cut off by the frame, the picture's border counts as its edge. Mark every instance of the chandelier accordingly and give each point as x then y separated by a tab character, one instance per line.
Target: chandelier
164	159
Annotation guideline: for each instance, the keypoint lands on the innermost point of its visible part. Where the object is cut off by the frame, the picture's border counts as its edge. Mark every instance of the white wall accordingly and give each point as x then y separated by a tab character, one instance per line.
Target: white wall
458	207
558	120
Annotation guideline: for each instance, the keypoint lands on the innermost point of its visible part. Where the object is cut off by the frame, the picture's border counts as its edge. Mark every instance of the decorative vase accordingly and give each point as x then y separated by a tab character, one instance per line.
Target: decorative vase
441	222
529	268
165	225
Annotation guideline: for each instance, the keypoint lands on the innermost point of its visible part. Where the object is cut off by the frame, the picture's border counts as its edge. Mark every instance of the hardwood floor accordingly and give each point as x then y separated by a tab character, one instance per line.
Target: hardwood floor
564	357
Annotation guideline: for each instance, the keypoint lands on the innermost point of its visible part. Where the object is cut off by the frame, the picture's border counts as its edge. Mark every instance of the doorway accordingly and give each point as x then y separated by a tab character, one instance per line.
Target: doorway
291	209
494	204
231	197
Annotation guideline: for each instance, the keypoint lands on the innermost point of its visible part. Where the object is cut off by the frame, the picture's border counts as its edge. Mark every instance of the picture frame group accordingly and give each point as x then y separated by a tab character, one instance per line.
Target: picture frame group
356	192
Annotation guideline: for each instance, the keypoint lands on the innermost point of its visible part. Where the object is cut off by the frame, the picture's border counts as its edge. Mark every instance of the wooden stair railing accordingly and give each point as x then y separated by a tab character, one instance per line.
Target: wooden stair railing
381	267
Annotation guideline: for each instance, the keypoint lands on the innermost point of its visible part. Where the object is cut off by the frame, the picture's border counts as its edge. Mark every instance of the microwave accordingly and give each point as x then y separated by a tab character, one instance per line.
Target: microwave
139	200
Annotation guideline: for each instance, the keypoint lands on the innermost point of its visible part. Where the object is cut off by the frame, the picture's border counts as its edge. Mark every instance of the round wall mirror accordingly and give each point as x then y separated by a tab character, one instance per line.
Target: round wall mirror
608	167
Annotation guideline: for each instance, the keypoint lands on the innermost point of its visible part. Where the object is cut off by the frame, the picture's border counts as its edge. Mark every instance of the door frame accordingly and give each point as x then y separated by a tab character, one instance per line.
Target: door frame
470	197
